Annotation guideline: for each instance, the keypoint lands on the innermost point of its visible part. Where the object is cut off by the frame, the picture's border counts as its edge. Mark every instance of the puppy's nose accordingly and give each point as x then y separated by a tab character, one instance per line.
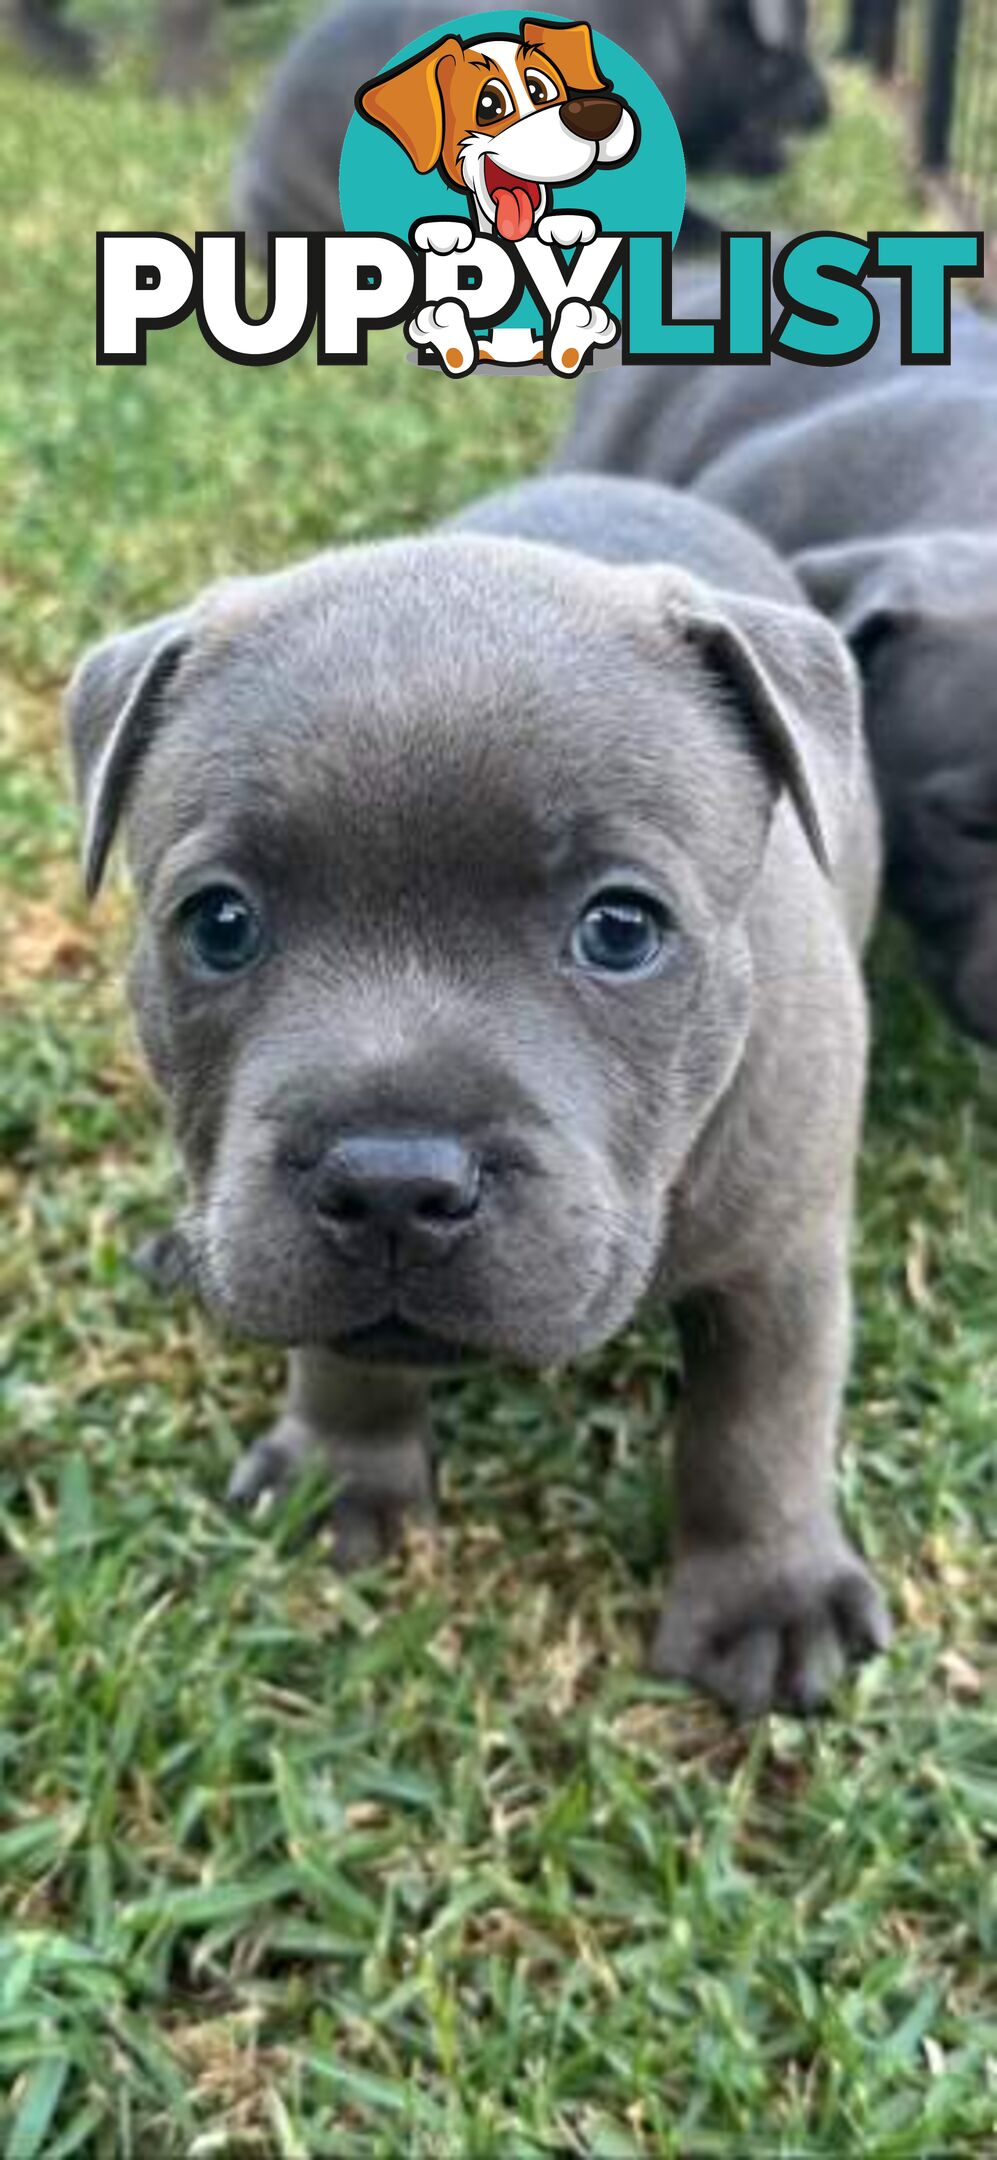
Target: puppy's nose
417	1192
593	118
813	104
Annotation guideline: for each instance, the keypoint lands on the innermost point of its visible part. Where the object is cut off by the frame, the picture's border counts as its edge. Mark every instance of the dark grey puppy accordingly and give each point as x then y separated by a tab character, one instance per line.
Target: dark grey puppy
499	900
880	483
185	34
736	74
41	29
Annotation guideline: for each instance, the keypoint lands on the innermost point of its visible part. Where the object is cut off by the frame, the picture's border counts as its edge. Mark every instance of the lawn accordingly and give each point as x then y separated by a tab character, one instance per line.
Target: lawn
419	1863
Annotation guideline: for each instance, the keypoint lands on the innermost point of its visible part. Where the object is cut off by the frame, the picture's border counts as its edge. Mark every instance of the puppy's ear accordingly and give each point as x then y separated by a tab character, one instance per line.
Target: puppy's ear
902	581
410	102
112	707
570	49
791	673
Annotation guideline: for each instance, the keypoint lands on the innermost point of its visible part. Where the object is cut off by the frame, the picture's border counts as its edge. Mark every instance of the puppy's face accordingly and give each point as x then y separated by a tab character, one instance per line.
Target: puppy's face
750	80
505	119
918	612
443	851
940	787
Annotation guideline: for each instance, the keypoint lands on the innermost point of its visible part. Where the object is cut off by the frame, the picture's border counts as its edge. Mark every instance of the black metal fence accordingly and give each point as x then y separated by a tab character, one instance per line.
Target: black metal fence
944	52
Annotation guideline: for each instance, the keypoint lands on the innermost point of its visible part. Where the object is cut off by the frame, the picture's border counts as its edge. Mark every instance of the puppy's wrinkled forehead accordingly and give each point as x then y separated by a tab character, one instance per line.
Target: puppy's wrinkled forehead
458	715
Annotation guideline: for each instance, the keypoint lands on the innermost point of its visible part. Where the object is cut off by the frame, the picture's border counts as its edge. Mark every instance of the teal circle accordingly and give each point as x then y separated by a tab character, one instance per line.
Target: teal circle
380	190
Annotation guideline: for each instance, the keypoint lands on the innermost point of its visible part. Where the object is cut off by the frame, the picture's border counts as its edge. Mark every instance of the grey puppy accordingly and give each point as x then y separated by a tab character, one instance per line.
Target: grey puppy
42	31
184	33
880	483
499	895
736	74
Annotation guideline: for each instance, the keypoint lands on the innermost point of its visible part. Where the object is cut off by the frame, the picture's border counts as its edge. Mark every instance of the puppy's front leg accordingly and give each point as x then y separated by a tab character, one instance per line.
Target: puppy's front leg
371	1429
768	1599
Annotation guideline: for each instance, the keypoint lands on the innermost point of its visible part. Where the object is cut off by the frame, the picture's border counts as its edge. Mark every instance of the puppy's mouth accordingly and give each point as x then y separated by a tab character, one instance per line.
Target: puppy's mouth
517	202
394	1341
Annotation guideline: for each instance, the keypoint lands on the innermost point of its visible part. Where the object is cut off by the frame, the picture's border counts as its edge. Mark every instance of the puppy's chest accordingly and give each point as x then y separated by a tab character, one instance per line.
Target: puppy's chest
724	1213
715	1229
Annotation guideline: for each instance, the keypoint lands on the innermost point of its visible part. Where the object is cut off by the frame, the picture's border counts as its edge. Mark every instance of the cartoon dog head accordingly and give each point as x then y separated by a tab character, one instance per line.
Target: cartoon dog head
505	118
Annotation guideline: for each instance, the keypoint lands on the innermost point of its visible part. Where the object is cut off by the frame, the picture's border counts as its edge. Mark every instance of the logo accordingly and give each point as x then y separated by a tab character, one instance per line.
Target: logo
512	191
510	145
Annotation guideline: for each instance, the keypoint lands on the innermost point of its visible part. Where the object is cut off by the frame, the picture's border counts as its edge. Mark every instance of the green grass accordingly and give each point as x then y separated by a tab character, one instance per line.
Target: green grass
420	1864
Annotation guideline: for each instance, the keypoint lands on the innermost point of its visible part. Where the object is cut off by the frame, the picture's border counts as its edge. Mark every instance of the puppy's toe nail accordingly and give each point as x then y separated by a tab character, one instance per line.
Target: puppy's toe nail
252	1479
267	1468
740	1670
671	1655
862	1615
361	1536
744	1676
812	1665
164	1262
244	1486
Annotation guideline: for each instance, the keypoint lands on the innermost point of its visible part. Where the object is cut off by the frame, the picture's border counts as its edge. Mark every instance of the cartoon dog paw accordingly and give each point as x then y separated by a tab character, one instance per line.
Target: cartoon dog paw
442	236
447	330
579	326
567	228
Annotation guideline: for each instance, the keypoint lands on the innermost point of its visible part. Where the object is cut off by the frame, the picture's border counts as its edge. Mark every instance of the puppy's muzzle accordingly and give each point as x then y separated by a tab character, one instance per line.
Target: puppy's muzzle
594	119
402	1197
813	103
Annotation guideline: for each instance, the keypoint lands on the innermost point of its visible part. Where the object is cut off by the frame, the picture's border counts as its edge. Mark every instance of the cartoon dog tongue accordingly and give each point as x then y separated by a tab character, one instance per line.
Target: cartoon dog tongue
513	212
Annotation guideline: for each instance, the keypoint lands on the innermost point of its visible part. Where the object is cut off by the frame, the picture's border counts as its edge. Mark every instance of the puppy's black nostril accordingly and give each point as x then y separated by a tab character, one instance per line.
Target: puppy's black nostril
345	1207
593	118
416	1190
442	1207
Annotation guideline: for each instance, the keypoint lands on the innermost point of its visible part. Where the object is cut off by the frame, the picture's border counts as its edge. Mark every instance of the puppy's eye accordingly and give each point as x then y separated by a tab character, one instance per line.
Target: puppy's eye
494	104
620	933
540	87
221	930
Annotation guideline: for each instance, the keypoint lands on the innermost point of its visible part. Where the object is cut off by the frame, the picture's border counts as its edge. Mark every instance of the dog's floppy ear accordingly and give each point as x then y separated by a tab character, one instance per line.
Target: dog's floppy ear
569	47
113	704
901	581
409	103
792	674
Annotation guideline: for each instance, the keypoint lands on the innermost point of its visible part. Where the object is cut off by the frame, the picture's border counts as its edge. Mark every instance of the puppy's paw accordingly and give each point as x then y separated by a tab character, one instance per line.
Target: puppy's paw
165	1262
567	228
442	236
446	329
382	1487
272	1463
367	1528
62	47
760	1636
578	328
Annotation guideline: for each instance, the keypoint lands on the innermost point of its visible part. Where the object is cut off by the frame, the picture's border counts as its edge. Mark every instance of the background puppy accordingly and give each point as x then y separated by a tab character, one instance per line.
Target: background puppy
736	74
41	29
498	898
184	32
880	482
